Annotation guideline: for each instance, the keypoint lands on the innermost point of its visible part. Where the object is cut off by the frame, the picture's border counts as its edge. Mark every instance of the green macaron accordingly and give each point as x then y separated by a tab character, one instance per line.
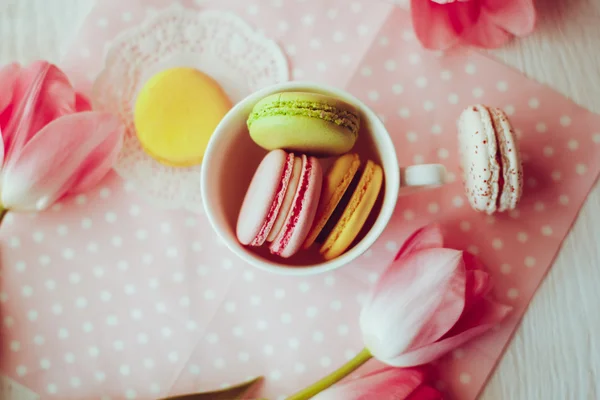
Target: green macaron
309	123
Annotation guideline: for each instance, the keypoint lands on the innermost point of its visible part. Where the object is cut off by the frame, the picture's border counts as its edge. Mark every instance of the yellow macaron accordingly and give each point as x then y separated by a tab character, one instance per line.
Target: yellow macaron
338	179
347	199
176	112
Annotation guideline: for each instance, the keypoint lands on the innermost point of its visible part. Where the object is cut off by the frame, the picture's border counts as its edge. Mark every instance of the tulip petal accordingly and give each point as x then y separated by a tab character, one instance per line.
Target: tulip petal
82	103
448	312
26	92
428	237
425	393
386	383
486	315
485	312
478	284
486	34
42	95
9	75
472	262
58	157
440	26
99	162
515	16
418	300
1	148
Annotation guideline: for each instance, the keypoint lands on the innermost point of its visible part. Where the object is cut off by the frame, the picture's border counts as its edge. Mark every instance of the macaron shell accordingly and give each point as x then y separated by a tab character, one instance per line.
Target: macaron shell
288	199
336	181
356	212
301	134
304	207
264	197
512	170
318	105
304	122
478	150
176	112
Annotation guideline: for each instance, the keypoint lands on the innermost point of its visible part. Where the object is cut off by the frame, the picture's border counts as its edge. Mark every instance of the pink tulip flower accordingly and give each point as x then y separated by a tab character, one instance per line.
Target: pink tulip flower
387	383
429	301
52	143
441	24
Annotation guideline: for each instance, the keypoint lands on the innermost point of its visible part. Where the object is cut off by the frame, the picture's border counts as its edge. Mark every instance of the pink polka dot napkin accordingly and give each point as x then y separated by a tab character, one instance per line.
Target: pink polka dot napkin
106	296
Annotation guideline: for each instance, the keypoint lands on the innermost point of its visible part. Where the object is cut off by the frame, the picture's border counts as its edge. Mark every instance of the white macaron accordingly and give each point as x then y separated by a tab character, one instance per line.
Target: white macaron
490	160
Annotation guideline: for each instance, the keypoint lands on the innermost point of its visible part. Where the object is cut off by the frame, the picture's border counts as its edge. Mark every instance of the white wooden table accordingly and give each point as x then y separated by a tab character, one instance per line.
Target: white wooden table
556	351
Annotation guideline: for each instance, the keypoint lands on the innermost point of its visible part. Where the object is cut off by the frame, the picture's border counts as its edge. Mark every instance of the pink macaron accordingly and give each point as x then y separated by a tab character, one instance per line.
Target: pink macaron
281	202
490	160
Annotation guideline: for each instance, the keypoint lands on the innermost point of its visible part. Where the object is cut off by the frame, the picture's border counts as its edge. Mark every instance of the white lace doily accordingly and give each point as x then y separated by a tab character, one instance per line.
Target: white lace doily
217	43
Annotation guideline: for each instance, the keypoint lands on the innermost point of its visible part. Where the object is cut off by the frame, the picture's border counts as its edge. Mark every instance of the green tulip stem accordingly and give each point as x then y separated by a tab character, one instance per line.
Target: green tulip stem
334	377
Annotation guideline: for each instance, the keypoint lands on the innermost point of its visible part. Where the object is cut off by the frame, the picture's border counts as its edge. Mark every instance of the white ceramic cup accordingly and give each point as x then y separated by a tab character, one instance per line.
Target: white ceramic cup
232	157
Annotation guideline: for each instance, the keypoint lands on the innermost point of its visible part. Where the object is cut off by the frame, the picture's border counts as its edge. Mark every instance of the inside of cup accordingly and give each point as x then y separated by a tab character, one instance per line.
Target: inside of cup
235	158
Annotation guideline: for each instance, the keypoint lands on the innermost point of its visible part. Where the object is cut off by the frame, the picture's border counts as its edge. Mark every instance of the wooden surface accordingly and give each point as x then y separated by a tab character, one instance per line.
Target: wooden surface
556	351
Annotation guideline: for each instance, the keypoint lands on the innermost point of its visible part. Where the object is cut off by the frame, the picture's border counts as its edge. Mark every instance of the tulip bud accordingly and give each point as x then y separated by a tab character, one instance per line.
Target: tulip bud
428	302
52	145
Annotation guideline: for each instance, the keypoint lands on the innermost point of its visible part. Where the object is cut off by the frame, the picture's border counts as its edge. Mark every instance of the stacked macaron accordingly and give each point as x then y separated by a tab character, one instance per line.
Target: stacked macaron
290	204
281	202
349	193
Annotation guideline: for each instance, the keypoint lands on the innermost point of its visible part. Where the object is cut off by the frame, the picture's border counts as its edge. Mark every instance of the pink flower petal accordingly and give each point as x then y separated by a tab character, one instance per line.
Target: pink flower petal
1	149
472	262
486	311
478	284
42	95
425	393
440	26
57	158
419	300
478	281
82	103
518	17
99	162
26	92
428	237
486	34
9	76
386	383
486	316
448	312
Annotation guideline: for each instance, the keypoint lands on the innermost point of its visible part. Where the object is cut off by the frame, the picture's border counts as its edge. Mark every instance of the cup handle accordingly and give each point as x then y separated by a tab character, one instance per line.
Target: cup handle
424	176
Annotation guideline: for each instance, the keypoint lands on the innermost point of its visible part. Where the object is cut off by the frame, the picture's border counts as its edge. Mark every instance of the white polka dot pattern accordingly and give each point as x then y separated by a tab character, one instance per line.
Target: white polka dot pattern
133	302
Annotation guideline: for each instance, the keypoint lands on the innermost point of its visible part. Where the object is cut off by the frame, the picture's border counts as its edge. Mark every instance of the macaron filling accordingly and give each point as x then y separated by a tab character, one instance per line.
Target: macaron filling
271	217
336	216
500	175
498	156
322	111
281	242
510	176
288	199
